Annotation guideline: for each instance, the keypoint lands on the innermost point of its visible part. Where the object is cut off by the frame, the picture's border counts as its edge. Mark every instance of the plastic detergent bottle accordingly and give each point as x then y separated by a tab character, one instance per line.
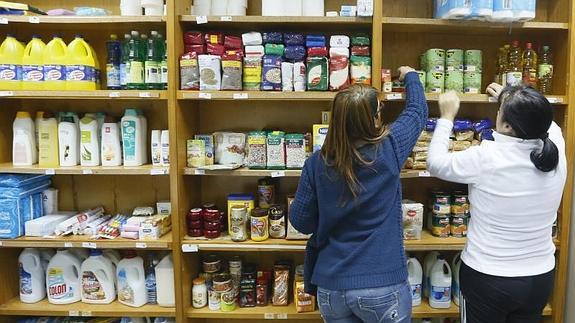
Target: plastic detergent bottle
455	287
98	274
62	278
111	153
11	53
80	253
48	155
151	280
45	256
152	63
132	139
165	142
131	281
415	280
143	135
32	276
68	142
156	147
39	116
514	69
428	263
113	255
165	282
24	142
97	72
113	47
440	291
89	142
54	60
80	66
33	65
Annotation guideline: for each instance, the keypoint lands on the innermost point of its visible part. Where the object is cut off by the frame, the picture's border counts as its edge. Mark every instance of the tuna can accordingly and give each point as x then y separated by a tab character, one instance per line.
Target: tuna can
228	301
441	204
472	82
423	61
214	300
435	82
473	60
454	60
435	60
422	77
454	81
459	225
460	204
441	226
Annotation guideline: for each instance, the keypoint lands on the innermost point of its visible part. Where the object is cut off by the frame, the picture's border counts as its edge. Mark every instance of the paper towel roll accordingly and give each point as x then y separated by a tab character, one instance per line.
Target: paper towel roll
219	7
272	8
152	3
131	8
313	8
154	11
293	8
236	8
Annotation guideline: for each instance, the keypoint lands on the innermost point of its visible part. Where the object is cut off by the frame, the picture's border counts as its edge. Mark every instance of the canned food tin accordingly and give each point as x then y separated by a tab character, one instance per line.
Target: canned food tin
277	222
460	204
472	82
222	282
459	225
228	301
441	226
454	81
435	60
259	225
441	204
239	223
454	60
235	265
214	300
435	82
473	60
212	264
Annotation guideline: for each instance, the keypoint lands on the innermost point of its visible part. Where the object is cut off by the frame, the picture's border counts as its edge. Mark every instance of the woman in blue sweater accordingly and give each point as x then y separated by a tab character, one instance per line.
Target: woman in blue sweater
349	198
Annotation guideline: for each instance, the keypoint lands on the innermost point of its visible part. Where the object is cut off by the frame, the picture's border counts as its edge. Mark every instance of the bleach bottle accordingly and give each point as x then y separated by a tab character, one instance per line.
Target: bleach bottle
48	153
415	278
98	274
440	289
62	278
32	276
113	255
131	281
165	282
428	263
24	151
455	286
55	56
11	53
80	66
33	65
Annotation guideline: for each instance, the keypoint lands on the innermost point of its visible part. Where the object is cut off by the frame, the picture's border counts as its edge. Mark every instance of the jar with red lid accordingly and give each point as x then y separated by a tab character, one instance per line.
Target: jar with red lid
212	216
212	225
212	234
195	233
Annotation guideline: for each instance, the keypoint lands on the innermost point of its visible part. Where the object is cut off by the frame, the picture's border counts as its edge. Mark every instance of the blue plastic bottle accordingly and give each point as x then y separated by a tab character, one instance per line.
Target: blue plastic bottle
113	63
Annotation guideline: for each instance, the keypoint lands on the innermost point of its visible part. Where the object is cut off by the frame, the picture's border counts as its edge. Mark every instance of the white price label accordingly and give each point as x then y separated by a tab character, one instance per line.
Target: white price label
470	68
141	245
68	245
424	174
86	314
189	247
492	99
87	171
34	20
89	245
199	172
394	96
552	100
114	94
201	20
205	96
50	171
1	243
226	18
73	313
269	316
241	96
282	316
157	171
6	93
145	94
280	173
3	21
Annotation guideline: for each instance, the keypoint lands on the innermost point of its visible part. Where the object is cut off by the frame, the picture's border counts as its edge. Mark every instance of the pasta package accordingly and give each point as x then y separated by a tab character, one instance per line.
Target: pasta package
272	75
198	49
189	72
299	76
252	73
274	49
216	49
230	148
408	163
464	135
419	165
338	73
295	53
360	40
257	51
425	136
341	41
420	156
232	72
317	73
317	51
360	70
287	77
232	42
361	51
214	38
210	72
193	38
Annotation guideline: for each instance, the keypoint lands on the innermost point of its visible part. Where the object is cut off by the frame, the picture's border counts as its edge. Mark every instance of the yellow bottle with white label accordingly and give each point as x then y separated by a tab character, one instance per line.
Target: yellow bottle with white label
33	65
80	66
11	52
48	141
55	56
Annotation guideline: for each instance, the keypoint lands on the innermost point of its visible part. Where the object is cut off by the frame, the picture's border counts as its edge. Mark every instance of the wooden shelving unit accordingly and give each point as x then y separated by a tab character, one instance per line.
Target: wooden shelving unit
85	95
9	19
79	170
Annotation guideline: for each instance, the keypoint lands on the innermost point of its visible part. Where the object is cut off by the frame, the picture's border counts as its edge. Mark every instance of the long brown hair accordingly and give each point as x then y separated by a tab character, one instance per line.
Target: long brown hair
353	113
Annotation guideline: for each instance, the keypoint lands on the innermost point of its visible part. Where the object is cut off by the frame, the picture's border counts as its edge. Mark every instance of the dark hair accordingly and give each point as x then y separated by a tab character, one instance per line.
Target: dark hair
530	115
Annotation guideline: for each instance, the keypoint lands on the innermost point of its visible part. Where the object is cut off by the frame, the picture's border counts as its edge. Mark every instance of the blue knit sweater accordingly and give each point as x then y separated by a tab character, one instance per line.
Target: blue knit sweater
359	244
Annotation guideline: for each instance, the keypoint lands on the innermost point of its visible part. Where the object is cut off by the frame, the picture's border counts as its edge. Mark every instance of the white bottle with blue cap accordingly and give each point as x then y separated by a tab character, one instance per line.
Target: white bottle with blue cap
97	275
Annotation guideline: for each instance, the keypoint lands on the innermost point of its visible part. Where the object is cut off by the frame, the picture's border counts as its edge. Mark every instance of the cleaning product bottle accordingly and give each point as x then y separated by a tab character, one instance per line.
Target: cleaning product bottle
164	63
39	116
514	70
80	253
131	281
89	143
545	71
165	282
32	276
98	274
33	65
440	291
415	280
428	263
143	136
455	289
45	256
530	66
132	143
11	53
62	278
113	255
68	141
156	151
111	147
151	279
152	63
54	60
125	63
24	141
113	63
97	71
136	61
48	154
80	66
165	141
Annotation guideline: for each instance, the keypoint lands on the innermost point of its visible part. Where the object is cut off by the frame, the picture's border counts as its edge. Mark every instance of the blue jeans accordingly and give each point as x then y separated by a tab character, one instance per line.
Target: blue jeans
390	304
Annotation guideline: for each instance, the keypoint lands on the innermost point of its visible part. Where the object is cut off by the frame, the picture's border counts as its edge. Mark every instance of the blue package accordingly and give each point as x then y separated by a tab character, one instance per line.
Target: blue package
18	180
315	38
295	53
481	125
271	73
431	124
294	39
315	41
452	9
462	125
273	38
17	207
487	134
481	9
37	206
310	44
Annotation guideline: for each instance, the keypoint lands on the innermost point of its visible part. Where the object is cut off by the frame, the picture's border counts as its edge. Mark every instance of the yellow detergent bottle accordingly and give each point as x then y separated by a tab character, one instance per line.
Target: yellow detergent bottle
97	74
55	55
33	65
11	52
80	66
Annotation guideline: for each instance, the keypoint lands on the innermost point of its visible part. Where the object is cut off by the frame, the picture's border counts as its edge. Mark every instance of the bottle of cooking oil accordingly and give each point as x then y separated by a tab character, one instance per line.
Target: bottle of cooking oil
514	65
545	71
530	66
501	75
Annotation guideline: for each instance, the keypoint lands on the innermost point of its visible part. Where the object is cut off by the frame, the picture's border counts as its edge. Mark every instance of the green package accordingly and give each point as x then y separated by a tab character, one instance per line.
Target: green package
472	82
317	74
360	40
435	60
275	49
360	70
454	81
454	60
435	82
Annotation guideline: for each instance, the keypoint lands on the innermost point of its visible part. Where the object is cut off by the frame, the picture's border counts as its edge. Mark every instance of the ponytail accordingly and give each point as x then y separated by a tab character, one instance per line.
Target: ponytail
547	159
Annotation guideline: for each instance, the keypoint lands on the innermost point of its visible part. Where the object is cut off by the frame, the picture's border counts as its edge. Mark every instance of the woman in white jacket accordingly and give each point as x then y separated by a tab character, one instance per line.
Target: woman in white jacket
515	188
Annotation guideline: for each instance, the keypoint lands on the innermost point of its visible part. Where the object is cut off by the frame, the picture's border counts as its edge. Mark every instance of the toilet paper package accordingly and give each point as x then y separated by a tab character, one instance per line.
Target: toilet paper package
452	9
339	41
220	7
513	10
481	9
314	8
18	205
252	39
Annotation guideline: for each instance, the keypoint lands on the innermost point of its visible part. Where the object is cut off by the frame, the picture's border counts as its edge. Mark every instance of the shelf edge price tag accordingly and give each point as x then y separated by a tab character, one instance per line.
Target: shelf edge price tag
141	245
552	100
280	173
199	172
3	21
424	174
50	171
114	95
189	247
226	18
34	20
86	314
269	316
68	245
492	99
89	245
1	243
205	96
393	96
87	172
6	93
201	20
73	313
241	96
145	94
282	316
157	171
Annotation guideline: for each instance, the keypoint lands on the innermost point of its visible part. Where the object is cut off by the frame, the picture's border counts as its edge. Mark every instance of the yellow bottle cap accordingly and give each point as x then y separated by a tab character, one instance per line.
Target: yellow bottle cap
22	114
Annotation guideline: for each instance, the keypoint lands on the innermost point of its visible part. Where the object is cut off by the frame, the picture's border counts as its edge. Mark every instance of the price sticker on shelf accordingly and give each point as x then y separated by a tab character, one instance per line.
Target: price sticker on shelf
89	245
241	96
280	173
87	171
269	316
199	172
73	313
226	18
3	21
205	96
86	314
6	93
34	20
393	96
201	20
552	100
50	171
114	94
68	245
189	247
424	174
492	99
1	243
145	95
157	171
282	316
141	245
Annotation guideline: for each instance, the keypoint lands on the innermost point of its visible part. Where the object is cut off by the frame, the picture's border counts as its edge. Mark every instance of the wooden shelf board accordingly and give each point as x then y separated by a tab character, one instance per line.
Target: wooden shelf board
79	170
82	20
470	98
246	172
80	95
227	20
164	243
255	95
397	24
44	308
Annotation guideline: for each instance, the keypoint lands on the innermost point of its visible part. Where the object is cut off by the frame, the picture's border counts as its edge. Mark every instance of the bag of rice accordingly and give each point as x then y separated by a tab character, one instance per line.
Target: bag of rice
272	74
189	72
232	68
360	70
317	74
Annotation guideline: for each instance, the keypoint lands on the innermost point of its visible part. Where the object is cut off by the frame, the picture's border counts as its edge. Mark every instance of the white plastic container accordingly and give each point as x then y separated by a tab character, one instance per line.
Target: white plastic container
415	280
89	142
132	143
62	278
32	276
113	255
47	128
24	141
80	253
69	142
455	287
428	263
111	152
39	116
98	274
156	146
165	139
165	282
144	136
440	291
131	281
45	256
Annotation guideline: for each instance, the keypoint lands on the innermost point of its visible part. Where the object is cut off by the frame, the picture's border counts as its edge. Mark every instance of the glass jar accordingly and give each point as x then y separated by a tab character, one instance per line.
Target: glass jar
259	224
239	222
277	222
199	293
266	192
